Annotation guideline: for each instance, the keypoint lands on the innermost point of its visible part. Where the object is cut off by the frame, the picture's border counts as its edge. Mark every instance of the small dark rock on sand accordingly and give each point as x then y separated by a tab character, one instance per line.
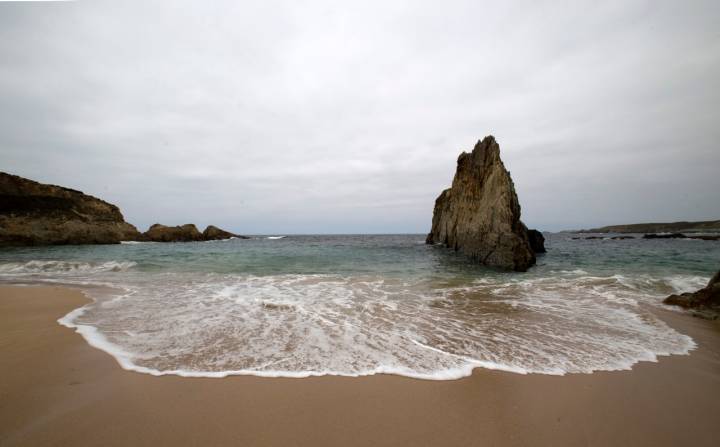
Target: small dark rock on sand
705	301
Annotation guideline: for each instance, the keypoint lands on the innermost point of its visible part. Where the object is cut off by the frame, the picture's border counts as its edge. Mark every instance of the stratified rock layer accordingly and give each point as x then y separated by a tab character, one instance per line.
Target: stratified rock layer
480	214
33	213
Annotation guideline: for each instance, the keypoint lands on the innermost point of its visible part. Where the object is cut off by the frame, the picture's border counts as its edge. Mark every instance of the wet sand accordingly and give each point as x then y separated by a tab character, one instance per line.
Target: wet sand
56	390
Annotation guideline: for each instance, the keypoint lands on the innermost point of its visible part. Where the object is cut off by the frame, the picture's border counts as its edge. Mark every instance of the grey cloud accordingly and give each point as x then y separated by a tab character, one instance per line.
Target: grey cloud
284	117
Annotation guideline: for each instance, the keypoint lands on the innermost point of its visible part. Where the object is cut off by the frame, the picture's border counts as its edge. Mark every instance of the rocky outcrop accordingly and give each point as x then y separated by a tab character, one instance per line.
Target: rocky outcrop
480	214
665	236
181	233
708	297
537	241
705	237
682	236
213	233
614	238
33	213
186	233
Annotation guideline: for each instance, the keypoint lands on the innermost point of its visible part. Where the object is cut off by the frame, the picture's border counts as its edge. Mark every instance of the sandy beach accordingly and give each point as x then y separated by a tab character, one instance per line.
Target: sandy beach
56	390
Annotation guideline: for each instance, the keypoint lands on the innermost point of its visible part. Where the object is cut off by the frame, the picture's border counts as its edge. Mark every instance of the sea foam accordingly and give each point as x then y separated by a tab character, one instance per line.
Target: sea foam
61	267
312	325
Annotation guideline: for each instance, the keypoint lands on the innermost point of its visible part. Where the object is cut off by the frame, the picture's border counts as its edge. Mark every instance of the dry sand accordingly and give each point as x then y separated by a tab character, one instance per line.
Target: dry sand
56	390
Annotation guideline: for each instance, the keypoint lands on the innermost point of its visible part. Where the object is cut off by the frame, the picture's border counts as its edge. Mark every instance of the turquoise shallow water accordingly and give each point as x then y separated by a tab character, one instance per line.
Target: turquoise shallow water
384	254
365	304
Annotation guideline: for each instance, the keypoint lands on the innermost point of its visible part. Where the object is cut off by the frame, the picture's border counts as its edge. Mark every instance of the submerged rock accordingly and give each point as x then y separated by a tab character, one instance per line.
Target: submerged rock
480	214
33	213
707	297
182	233
665	236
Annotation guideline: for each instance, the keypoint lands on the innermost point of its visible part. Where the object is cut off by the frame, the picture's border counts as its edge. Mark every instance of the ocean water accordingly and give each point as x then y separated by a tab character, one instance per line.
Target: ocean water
357	305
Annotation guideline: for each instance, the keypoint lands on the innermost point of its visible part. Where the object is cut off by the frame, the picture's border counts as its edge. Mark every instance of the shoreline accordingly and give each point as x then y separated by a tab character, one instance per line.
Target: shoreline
58	390
97	340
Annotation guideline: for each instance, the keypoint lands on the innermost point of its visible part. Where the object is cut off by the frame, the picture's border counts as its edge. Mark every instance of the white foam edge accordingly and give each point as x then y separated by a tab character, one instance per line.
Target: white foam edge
97	340
231	238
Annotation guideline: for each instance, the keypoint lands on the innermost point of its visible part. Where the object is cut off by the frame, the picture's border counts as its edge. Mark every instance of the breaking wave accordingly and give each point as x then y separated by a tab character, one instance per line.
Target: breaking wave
61	267
310	325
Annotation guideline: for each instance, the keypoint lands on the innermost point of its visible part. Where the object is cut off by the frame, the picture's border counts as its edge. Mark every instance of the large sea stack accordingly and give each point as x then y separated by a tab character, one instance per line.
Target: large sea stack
33	213
479	215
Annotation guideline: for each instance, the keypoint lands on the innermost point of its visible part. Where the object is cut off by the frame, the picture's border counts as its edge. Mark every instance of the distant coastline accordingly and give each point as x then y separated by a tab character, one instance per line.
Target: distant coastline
668	227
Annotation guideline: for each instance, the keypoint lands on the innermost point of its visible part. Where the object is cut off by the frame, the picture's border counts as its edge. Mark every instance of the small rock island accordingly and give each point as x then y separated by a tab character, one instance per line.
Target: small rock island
186	233
479	215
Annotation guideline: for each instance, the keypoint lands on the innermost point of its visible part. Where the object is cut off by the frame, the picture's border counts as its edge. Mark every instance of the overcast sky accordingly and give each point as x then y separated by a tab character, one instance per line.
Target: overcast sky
316	117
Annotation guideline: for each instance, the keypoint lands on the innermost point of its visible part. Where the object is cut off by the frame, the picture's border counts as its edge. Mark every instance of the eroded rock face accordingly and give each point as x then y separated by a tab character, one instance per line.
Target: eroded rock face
480	214
181	233
33	213
705	297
